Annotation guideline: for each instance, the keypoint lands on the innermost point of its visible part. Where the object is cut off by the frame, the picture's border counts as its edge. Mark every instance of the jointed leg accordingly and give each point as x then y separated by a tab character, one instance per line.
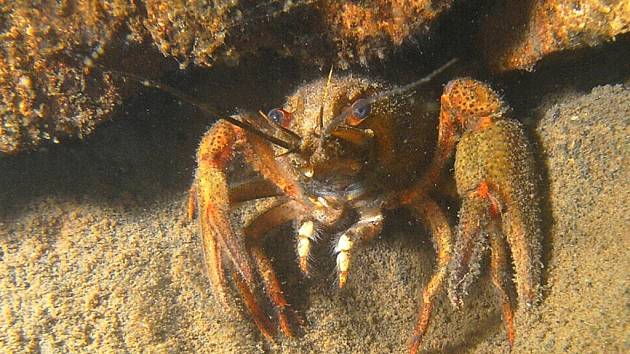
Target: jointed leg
465	105
494	170
322	213
252	189
523	237
211	196
262	158
481	221
306	235
433	216
494	147
260	155
214	260
447	139
245	191
369	226
255	233
210	189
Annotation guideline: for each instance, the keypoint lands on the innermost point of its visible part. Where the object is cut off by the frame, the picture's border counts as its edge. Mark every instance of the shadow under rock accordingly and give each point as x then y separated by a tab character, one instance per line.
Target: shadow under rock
147	152
567	71
135	159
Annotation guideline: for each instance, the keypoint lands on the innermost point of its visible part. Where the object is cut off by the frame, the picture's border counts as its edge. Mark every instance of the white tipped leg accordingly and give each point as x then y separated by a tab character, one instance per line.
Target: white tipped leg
344	245
306	234
369	225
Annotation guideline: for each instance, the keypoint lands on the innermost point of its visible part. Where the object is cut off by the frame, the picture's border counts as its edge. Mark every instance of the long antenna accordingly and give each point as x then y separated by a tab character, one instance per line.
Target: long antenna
201	106
414	84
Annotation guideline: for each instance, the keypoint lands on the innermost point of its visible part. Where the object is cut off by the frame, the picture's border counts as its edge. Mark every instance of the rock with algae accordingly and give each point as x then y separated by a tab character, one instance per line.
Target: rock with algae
315	31
520	33
46	93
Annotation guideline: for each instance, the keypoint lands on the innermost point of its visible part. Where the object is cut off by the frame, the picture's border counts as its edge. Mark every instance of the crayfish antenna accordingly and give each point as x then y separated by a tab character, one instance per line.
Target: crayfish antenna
413	85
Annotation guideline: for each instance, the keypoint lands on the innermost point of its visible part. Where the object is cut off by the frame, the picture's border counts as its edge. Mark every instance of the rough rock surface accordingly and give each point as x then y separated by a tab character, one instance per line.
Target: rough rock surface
518	34
46	93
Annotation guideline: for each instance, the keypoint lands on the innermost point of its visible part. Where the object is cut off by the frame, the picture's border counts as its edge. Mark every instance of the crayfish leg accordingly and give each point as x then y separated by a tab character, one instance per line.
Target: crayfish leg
368	226
261	156
256	188
255	232
213	258
479	229
471	242
430	213
211	199
494	159
499	155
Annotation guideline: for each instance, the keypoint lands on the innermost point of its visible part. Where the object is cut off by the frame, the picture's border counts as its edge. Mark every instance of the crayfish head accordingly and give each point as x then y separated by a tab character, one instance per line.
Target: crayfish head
330	149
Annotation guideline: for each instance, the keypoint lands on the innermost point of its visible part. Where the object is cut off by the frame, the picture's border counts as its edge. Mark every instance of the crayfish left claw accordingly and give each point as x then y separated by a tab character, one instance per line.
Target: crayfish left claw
494	172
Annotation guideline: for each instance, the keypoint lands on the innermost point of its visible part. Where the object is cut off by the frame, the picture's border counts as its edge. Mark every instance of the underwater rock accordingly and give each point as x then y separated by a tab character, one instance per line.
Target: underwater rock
45	93
48	91
520	33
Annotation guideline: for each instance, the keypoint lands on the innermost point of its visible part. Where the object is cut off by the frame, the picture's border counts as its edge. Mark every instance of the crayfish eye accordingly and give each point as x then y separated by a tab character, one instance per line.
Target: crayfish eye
280	116
359	111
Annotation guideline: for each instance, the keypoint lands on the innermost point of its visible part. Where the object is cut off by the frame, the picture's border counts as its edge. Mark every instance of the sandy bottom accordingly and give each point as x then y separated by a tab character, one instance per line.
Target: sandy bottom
96	254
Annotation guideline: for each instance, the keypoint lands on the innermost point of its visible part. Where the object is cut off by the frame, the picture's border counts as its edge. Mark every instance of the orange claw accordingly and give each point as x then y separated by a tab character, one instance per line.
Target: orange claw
494	172
260	318
471	103
498	154
211	189
210	194
494	175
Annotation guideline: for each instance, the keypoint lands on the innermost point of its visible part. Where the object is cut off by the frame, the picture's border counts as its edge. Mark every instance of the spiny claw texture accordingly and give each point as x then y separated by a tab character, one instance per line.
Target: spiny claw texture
494	172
